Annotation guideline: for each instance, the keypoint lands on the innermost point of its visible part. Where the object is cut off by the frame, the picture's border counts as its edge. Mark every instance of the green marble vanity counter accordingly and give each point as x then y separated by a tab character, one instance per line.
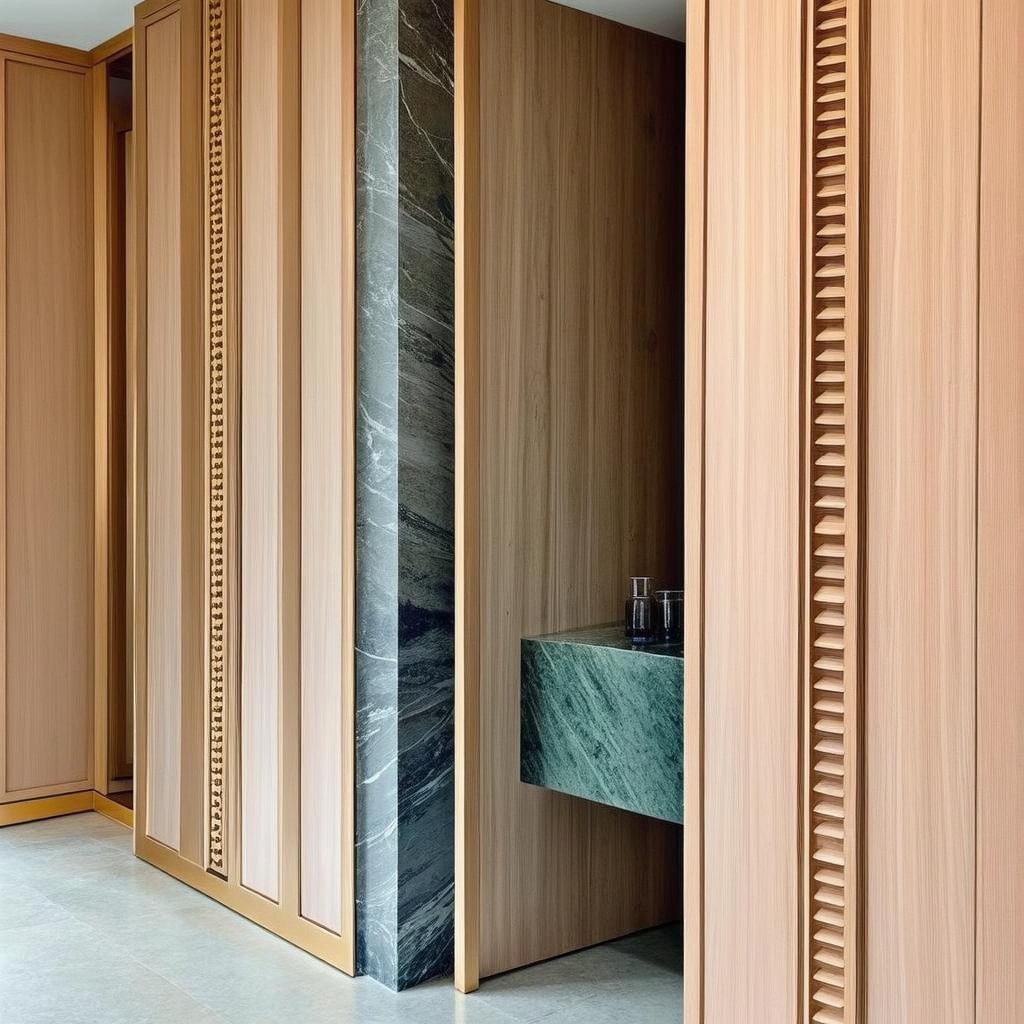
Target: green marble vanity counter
603	720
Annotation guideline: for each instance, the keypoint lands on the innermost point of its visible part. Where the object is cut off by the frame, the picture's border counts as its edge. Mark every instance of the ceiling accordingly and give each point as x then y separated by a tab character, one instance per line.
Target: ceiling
79	23
664	17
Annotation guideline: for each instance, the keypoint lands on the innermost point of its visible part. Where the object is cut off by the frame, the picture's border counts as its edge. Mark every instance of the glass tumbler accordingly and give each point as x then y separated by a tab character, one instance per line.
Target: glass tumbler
670	616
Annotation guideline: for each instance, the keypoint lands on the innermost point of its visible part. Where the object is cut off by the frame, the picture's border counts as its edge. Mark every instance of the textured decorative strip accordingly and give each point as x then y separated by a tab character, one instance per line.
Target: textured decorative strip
832	354
216	401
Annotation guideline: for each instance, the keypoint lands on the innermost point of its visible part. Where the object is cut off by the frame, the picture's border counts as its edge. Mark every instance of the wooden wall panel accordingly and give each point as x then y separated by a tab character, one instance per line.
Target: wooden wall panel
237	82
269	436
1000	725
328	471
921	520
580	282
48	434
752	554
163	347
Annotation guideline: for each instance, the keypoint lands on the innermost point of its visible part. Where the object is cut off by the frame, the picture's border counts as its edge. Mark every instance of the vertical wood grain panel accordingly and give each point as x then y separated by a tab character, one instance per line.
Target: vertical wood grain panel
254	864
467	495
49	429
752	554
270	486
262	553
328	444
1000	733
921	517
163	343
580	285
103	549
193	390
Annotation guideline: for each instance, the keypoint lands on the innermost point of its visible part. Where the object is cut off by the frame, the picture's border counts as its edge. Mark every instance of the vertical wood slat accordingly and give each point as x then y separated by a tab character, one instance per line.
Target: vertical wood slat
751	660
1000	660
467	496
160	398
328	464
269	166
831	485
102	341
920	516
193	704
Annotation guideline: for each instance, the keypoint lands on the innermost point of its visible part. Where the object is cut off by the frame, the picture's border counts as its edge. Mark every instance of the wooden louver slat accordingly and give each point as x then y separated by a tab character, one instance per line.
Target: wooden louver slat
832	241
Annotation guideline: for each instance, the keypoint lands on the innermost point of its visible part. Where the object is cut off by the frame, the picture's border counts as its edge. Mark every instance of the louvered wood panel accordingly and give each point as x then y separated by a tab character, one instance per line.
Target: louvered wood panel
832	242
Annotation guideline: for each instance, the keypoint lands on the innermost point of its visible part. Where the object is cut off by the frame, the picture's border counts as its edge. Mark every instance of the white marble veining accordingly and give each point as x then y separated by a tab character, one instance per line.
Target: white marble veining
90	935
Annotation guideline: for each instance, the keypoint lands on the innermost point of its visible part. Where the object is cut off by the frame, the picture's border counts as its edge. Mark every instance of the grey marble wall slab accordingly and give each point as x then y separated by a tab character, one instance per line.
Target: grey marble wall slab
405	506
604	721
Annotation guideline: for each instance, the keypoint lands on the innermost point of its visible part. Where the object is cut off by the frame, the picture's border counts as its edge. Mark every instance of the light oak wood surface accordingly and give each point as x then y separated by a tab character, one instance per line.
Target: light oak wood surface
751	672
193	452
270	454
101	235
328	464
920	447
162	313
48	430
262	455
467	494
1000	699
574	382
250	836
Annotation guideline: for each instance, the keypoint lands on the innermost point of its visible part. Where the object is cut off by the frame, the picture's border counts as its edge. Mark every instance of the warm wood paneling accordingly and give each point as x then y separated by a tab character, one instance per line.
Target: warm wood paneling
42	52
467	494
48	434
242	717
269	426
579	349
163	346
921	520
1000	705
328	471
752	553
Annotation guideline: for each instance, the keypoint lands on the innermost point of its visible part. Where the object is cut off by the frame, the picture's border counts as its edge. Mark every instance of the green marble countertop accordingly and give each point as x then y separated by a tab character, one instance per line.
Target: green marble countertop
603	720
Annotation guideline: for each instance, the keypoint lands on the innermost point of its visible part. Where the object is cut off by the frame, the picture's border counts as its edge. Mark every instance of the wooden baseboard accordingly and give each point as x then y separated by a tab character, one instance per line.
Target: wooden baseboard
45	807
113	810
23	811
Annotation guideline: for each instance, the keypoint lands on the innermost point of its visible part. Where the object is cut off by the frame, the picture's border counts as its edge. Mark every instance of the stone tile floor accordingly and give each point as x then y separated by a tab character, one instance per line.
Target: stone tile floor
91	935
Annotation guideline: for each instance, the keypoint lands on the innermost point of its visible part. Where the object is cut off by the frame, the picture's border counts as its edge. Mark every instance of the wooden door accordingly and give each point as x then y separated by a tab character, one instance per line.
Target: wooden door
244	458
47	613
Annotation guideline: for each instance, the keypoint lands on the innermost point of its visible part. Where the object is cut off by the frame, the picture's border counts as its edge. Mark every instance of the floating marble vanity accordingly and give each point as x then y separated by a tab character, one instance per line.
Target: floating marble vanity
603	720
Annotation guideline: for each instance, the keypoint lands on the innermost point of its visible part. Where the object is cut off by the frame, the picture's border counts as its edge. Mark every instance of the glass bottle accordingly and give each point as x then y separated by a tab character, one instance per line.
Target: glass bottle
640	611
